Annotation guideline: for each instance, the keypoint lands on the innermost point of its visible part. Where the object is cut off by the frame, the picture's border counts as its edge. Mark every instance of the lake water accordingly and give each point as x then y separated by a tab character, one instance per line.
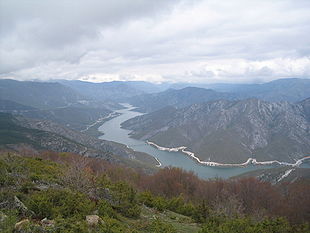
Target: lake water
113	132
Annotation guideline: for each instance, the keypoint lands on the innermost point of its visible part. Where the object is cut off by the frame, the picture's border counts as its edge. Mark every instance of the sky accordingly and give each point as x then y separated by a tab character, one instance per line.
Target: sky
206	41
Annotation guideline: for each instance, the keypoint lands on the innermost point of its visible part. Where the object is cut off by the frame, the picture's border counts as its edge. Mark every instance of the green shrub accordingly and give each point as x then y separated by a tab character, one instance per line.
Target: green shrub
158	226
151	201
125	200
27	187
70	225
110	225
60	203
7	221
105	209
246	225
146	198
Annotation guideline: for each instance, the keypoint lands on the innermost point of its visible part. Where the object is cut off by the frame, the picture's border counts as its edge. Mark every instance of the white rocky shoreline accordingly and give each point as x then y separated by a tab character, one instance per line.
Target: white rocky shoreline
215	164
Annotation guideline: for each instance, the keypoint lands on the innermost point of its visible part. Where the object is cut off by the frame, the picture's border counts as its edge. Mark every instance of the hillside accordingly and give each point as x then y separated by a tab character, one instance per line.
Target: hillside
11	106
230	131
276	176
17	133
77	116
60	193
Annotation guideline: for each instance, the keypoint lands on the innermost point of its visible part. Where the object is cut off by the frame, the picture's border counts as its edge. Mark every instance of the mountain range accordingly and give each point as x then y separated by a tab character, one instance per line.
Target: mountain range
43	95
181	95
117	91
177	98
288	89
217	122
228	131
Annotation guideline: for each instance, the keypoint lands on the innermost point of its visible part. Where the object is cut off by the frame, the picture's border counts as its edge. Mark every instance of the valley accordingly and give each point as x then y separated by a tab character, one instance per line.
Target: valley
113	132
155	116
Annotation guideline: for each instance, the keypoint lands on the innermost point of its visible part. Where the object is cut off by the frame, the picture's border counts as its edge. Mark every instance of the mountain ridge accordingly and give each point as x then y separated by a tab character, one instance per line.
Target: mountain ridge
229	131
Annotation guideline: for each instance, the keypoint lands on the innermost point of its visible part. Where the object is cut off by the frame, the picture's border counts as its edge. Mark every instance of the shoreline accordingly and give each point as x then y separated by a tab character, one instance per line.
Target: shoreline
101	120
159	164
251	161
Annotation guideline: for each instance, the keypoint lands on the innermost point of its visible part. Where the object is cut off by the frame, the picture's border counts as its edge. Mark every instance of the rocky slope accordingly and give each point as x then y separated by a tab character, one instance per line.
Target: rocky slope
77	116
17	132
279	175
230	131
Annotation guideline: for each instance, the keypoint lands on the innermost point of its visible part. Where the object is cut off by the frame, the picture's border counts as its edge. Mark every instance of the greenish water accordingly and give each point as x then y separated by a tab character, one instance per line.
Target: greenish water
113	132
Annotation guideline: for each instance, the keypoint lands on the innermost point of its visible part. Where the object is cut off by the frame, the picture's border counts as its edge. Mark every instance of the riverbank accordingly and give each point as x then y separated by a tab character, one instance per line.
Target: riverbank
250	161
92	129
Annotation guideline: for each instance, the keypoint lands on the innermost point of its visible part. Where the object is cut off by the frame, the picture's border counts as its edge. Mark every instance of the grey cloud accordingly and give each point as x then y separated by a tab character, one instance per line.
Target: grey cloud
165	38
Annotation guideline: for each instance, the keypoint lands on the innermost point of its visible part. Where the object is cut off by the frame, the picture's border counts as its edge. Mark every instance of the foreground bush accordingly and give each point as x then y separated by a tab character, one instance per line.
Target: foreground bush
60	204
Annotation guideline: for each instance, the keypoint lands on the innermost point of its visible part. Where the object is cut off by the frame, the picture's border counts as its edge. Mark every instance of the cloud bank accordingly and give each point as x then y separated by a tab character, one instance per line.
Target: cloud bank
164	40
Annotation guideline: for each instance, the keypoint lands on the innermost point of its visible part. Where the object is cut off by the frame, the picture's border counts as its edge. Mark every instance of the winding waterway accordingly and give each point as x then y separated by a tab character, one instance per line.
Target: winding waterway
113	132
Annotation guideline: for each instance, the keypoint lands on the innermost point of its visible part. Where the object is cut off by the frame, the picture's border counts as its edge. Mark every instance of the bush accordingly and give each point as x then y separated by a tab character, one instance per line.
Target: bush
111	225
158	226
70	225
125	199
151	201
7	221
105	209
246	225
60	203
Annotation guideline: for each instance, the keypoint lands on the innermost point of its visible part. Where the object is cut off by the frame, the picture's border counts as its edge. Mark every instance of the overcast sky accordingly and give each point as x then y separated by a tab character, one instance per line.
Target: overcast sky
162	40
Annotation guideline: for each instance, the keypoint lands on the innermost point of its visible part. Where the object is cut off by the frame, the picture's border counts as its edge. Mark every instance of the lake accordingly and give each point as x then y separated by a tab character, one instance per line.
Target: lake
113	132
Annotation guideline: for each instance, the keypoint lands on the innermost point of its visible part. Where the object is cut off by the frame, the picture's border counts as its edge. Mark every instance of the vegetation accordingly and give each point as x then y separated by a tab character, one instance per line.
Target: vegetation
54	192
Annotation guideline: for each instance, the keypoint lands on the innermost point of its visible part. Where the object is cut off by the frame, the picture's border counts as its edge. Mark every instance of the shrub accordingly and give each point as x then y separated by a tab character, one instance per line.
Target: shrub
246	225
7	221
158	226
60	203
70	225
125	199
105	209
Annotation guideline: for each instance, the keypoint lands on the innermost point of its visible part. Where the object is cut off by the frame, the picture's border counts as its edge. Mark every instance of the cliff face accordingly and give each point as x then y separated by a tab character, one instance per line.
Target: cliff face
231	131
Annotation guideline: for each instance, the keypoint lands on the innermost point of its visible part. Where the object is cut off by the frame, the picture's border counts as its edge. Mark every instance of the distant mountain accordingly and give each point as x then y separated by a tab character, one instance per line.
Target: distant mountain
52	101
113	91
177	98
291	89
230	131
16	132
41	95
